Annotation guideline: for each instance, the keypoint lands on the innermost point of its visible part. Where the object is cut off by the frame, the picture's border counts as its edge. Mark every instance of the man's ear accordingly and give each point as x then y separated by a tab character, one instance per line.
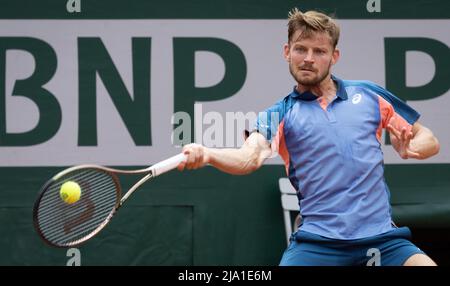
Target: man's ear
336	55
286	52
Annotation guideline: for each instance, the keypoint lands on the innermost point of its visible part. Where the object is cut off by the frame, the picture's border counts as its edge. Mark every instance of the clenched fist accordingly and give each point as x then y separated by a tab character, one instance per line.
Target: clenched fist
197	157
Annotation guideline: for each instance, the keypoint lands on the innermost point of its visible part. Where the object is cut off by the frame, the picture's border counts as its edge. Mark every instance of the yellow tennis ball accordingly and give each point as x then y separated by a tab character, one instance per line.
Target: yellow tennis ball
70	192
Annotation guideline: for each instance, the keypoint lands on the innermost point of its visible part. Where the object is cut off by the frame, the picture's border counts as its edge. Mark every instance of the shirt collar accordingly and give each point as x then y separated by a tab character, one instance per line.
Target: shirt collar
309	96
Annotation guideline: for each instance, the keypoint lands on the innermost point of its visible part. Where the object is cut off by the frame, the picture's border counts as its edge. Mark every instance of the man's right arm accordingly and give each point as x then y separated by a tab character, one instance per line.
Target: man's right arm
250	157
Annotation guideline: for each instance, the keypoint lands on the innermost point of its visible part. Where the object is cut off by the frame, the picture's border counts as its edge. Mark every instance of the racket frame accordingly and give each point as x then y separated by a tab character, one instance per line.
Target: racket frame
119	198
152	171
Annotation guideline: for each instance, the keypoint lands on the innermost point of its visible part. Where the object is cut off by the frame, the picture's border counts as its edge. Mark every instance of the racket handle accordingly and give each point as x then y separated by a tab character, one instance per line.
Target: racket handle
167	165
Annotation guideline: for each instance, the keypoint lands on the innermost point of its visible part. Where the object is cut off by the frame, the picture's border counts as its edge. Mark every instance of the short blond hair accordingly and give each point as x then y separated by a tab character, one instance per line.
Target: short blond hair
312	22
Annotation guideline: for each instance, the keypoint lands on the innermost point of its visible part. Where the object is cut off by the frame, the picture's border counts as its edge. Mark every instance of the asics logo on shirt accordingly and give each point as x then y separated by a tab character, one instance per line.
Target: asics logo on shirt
356	98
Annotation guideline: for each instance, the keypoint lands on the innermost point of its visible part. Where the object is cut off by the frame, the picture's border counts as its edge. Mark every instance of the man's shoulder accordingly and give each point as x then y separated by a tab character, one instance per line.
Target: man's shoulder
362	83
283	103
366	87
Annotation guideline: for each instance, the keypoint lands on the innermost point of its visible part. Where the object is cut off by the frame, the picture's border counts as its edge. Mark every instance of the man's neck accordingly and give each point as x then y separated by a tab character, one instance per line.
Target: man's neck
326	89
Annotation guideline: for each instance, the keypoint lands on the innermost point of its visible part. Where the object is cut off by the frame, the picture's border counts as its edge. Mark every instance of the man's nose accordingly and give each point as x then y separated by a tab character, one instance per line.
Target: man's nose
309	56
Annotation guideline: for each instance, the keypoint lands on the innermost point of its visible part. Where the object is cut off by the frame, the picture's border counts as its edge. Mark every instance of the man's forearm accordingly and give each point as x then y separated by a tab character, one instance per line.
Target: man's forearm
233	161
240	161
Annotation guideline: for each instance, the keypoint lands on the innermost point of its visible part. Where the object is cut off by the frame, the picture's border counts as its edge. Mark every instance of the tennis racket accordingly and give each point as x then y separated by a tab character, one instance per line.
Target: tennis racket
63	224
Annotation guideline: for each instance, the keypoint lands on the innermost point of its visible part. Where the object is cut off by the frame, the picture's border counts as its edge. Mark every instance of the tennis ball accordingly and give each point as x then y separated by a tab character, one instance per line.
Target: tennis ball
70	192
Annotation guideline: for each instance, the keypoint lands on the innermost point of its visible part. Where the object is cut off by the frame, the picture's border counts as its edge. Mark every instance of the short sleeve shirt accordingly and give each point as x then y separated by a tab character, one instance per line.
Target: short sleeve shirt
333	157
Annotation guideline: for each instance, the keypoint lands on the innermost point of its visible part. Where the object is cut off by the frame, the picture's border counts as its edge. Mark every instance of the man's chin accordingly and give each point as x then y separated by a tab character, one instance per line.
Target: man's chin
308	82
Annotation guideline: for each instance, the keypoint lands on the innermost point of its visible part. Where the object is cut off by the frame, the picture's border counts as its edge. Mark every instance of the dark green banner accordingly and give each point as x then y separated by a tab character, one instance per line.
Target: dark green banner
220	9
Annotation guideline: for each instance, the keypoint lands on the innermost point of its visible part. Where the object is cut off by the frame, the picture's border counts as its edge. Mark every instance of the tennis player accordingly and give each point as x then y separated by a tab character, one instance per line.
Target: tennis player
328	133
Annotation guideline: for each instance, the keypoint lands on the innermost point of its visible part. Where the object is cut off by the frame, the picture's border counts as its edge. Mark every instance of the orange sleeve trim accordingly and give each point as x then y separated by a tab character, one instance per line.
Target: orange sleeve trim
279	146
388	115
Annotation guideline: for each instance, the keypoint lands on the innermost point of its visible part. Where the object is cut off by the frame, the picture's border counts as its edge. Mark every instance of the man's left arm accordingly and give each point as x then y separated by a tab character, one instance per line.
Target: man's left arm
419	143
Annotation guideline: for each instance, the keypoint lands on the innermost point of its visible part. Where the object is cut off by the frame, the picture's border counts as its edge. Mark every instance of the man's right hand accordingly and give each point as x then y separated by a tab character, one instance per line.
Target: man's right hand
197	157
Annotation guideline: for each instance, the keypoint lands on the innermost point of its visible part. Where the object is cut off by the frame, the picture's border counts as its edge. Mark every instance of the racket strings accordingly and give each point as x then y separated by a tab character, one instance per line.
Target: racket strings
50	200
49	205
73	227
65	224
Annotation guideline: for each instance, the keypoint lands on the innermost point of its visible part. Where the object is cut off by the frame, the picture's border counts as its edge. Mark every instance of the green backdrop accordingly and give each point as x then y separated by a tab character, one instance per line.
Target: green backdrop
204	217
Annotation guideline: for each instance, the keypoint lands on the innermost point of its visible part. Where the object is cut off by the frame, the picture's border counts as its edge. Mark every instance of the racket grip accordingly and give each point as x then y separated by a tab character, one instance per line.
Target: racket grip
167	165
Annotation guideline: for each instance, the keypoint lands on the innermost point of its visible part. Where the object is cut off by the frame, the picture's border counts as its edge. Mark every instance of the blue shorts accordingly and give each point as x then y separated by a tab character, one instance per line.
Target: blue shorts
392	248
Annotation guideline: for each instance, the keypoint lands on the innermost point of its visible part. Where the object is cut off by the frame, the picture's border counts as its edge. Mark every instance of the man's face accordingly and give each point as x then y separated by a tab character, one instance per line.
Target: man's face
310	59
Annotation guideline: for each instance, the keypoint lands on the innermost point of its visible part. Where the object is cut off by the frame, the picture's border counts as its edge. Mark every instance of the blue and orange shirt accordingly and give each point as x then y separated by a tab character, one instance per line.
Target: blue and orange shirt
333	157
